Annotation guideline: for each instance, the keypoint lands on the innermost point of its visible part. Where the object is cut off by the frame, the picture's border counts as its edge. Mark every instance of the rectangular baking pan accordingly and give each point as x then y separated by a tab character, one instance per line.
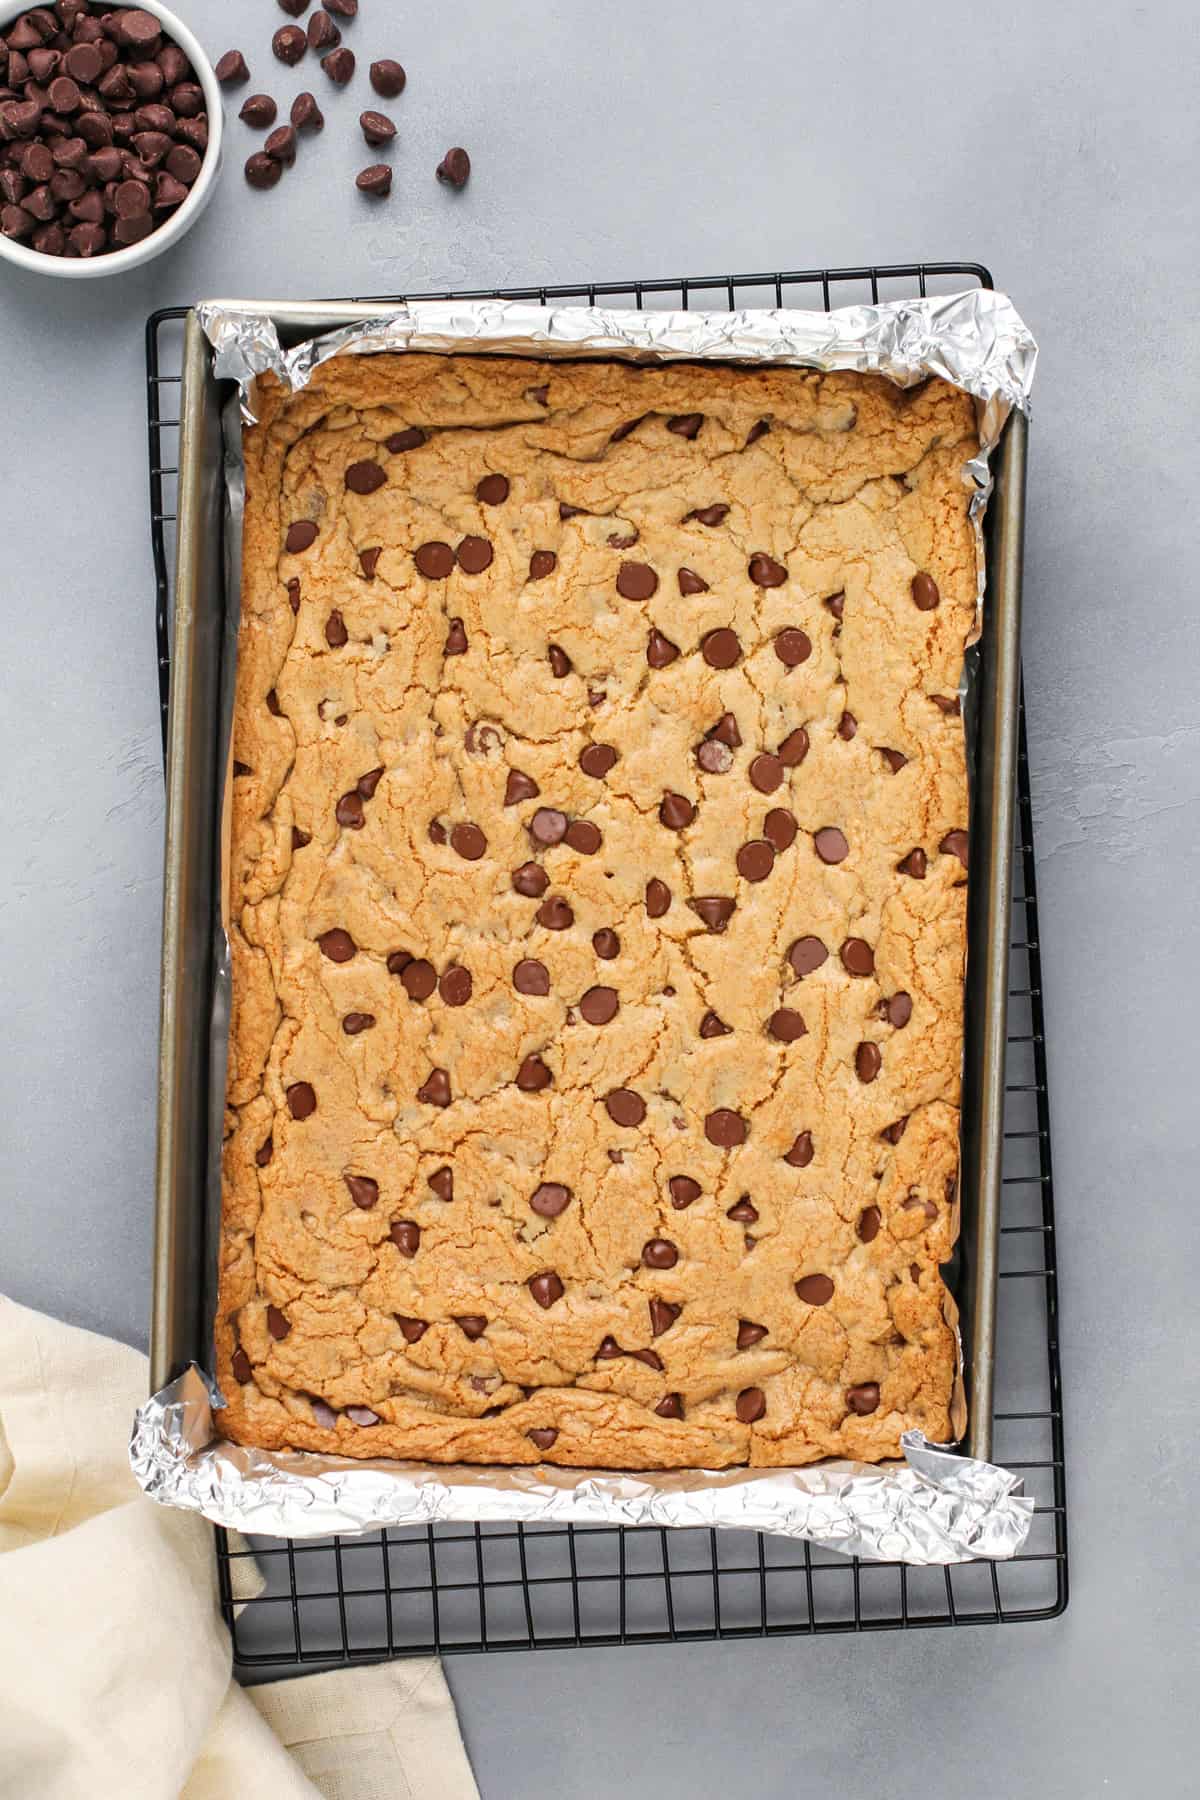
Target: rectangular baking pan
184	1259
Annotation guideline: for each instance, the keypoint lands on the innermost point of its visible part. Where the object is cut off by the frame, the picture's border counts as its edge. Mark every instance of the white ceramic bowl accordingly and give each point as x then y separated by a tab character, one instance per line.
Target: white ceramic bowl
116	262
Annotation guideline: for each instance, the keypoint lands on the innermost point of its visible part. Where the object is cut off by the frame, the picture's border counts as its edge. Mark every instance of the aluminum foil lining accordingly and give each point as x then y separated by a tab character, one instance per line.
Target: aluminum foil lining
936	1507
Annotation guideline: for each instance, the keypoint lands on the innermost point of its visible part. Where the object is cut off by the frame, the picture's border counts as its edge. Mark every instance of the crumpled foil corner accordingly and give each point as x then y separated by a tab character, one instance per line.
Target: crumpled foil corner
937	1507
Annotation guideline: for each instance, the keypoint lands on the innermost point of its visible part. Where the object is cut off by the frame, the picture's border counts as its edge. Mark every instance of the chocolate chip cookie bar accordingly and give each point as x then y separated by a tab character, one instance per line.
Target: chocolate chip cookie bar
596	899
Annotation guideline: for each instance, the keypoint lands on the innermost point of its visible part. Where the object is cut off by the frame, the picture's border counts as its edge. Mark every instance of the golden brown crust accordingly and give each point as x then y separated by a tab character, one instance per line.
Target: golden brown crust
855	489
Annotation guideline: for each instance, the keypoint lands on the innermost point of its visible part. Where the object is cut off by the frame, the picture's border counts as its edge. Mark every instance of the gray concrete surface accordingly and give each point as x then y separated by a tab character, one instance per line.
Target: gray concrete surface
1058	143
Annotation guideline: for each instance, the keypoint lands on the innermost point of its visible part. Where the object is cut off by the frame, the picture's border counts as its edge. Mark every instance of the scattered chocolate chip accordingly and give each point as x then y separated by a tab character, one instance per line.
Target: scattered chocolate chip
606	944
670	1407
792	646
891	1134
345	9
533	1075
765	572
455	985
751	1405
597	759
468	841
531	977
925	592
376	127
786	1025
636	581
472	1325
262	171
355	1022
955	844
398	961
608	1348
830	844
755	860
548	826
807	954
683	1191
584	836
419	978
546	1289
748	1333
724	1128
518	787
660	651
363	1190
913	864
300	838
715	910
663	1314
555	914
337	945
714	757
322	33
474	555
541	564
492	490
531	880
780	828
893	758
847	727
624	1107
277	1324
707	515
712	1025
542	1436
306	115
361	477
743	1211
302	1101
658	898
336	634
721	648
454	168
412	1330
338	64
550	1199
757	431
660	1253
289	44
676	811
436	1090
387	78
867	1061
376	180
599	1005
349	811
690	582
411	438
242	1372
897	1010
456	639
857	956
560	662
864	1398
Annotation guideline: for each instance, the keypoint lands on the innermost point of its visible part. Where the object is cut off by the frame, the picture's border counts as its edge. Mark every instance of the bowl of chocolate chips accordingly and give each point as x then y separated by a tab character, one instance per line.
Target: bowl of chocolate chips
110	135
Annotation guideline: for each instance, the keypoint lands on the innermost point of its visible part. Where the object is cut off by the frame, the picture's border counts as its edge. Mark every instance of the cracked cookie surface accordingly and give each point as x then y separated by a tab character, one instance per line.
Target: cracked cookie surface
596	900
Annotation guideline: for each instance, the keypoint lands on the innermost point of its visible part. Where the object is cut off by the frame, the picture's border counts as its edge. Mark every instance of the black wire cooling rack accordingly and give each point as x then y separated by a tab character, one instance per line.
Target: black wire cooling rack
453	1588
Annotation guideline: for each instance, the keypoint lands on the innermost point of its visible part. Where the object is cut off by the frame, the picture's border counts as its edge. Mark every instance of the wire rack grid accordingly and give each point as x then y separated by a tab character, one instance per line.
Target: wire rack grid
454	1588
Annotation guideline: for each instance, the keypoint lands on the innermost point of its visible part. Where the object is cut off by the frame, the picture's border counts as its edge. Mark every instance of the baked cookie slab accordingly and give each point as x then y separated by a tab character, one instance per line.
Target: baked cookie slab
597	909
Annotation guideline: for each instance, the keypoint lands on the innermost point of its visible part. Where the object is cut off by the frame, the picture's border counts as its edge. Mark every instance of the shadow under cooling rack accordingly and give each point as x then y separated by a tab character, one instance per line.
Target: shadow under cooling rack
500	1587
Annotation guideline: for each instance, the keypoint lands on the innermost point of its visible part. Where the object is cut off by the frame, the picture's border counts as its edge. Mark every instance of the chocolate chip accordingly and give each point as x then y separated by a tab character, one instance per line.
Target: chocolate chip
683	1191
891	1134
690	582
518	787
83	63
830	844
815	1290
436	1090
955	844
168	192
300	838
337	945
398	961
707	515
531	977
786	1025
541	564
468	841
472	1325
715	910
743	1211
897	1010
543	1436
387	78
807	954
454	168
608	1348
751	1405
756	432
474	555
724	1128
376	180
456	639
765	572
560	662
302	1101
548	826
893	758
546	1289
261	170
663	1314
670	1407
361	477
597	759
749	1333
362	1415
925	592
355	1022
434	560
336	635
306	115
555	914
847	727
411	438
948	704
857	956
801	1152
230	69
712	1025
624	1107
412	1330
550	1199
455	985
531	880
792	646
242	1372
755	860
599	1005
913	864
869	1221
289	44
658	898
780	828
265	1152
676	811
864	1398
419	978
345	9
363	1190
349	811
606	944
584	836
376	127
636	581
277	1324
533	1075
660	651
660	1253
721	648
867	1061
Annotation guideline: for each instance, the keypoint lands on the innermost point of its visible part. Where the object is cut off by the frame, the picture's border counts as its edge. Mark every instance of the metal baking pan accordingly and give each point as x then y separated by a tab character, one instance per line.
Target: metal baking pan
184	1257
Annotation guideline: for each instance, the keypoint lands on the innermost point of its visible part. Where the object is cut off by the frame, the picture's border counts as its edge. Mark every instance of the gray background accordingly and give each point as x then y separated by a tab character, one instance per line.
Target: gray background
1056	142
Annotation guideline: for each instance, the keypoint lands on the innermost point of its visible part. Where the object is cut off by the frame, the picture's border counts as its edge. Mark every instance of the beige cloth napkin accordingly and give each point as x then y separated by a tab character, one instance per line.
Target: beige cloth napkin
114	1663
